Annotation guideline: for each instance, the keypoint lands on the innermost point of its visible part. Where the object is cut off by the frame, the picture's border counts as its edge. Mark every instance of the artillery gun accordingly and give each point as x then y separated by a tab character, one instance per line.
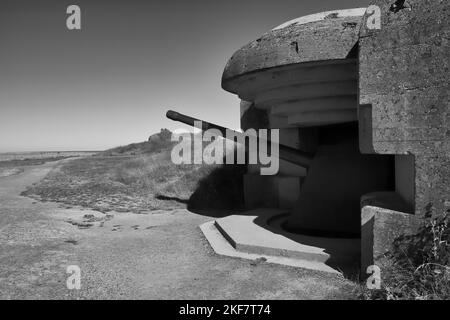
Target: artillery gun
285	152
337	176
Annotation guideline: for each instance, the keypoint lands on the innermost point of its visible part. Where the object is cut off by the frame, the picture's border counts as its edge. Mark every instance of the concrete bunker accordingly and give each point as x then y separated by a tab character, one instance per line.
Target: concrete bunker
303	78
350	96
308	90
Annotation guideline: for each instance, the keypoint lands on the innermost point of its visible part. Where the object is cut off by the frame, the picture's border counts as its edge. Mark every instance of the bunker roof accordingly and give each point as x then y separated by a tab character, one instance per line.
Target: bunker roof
323	36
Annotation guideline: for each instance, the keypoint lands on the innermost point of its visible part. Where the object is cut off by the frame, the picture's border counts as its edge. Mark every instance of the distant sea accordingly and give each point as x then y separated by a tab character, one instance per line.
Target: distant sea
8	156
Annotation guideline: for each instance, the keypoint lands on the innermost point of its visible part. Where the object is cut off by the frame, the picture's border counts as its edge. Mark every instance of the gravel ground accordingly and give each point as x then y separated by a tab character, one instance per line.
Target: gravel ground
162	255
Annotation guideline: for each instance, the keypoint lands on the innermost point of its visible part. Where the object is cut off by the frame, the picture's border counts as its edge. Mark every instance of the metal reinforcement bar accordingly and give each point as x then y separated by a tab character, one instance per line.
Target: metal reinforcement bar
286	153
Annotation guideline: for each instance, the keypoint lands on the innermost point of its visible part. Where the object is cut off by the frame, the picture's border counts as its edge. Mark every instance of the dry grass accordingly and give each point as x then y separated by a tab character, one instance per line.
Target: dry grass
418	266
139	178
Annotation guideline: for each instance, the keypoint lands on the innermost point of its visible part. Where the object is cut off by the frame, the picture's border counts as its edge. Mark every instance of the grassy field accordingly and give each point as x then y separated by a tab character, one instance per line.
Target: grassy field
139	178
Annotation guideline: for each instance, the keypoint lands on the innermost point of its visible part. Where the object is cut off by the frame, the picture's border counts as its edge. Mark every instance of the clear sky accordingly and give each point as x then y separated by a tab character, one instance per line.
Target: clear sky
111	83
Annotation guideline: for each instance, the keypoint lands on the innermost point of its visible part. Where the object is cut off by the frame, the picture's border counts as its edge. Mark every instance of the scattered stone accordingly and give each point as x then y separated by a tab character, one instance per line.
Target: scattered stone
258	261
349	24
92	218
80	225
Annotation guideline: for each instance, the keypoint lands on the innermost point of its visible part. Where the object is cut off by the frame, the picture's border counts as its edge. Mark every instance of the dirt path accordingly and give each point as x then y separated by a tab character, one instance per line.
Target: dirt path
155	256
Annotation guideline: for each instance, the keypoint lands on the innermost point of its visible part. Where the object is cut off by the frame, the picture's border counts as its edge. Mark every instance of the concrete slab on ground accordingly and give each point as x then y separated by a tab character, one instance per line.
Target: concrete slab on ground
222	247
259	233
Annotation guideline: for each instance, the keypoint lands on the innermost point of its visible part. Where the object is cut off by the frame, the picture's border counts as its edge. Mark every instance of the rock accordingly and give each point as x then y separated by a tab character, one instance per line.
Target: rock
162	136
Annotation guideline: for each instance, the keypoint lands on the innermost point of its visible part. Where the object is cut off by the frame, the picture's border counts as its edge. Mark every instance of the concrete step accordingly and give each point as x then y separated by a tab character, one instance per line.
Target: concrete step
251	86
258	233
312	119
222	247
270	98
302	105
246	236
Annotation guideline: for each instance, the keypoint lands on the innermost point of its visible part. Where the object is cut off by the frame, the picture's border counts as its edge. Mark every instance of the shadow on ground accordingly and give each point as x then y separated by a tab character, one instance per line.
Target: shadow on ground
221	194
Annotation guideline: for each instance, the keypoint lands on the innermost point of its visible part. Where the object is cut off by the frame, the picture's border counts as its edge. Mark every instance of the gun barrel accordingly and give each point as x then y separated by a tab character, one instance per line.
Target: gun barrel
173	115
286	153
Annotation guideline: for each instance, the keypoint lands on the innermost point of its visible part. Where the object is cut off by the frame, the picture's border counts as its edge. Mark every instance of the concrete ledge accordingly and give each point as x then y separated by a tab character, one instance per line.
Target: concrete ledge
381	223
259	234
222	247
247	236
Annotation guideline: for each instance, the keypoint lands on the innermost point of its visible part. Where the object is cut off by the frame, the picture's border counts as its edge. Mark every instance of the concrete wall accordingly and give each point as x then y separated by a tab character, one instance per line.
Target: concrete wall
404	95
382	221
404	110
333	69
282	190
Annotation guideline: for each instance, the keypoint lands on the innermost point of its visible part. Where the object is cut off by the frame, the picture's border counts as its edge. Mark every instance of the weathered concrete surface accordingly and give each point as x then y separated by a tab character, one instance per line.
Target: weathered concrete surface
260	232
404	88
223	247
329	37
272	191
315	86
402	70
158	256
245	235
382	221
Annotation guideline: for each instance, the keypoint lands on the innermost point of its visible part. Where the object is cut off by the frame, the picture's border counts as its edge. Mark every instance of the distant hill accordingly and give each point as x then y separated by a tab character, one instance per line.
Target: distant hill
156	143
